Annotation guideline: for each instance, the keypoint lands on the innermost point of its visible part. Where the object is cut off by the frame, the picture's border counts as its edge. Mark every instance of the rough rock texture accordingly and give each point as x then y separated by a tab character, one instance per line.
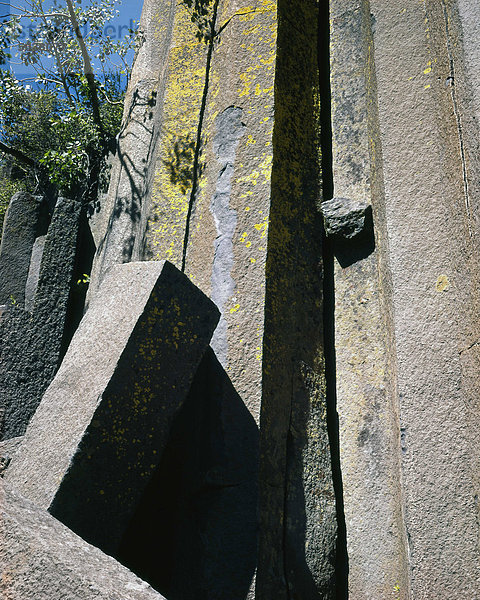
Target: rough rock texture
194	533
208	199
206	204
209	148
344	217
34	272
297	503
100	430
40	558
7	450
361	310
405	139
431	212
18	237
122	214
33	344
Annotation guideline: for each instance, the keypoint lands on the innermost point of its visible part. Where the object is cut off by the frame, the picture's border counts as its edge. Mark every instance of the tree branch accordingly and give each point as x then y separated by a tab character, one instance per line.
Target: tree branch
19	155
87	70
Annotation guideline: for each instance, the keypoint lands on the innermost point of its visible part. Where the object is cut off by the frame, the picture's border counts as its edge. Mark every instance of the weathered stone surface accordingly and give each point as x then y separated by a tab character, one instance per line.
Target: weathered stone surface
310	511
120	222
194	533
198	107
433	236
213	152
344	217
33	344
98	435
362	328
7	450
18	237
34	272
296	552
207	207
41	558
406	318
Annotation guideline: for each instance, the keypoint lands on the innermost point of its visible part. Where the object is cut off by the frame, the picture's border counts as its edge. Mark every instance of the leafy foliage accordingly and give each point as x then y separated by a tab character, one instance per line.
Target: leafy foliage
201	15
64	116
8	187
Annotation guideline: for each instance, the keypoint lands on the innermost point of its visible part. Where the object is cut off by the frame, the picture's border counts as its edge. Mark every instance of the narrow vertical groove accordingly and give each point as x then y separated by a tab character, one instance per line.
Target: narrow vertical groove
457	118
198	143
329	299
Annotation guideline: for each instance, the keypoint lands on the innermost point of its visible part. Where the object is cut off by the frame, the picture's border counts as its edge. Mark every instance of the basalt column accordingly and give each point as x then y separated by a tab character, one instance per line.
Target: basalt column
205	208
297	504
426	71
363	321
236	95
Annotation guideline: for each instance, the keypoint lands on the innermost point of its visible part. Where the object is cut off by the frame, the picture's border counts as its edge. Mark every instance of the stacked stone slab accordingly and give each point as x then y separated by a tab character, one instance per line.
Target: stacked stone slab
34	343
100	430
41	558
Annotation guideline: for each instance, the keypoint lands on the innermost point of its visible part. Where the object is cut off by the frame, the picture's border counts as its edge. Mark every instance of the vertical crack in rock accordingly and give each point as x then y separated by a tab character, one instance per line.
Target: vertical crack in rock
198	144
230	129
458	118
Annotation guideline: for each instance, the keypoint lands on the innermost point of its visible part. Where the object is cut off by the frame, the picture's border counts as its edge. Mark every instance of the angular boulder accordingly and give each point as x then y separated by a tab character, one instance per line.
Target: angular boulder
98	434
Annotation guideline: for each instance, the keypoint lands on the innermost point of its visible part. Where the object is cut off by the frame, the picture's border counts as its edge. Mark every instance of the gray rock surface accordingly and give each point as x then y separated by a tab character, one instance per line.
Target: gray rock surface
345	217
33	344
7	450
298	529
429	152
18	237
42	559
362	328
99	432
34	272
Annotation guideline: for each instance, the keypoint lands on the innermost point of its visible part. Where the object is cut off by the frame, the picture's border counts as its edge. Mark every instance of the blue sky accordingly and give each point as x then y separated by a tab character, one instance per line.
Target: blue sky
129	10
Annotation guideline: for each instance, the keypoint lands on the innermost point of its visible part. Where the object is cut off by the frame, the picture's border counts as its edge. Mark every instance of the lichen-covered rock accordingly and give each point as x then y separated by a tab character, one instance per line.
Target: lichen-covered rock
100	430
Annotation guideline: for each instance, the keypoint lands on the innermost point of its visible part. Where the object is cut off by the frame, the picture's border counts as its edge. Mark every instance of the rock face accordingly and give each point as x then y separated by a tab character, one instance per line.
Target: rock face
103	423
314	171
405	139
33	344
19	233
218	124
40	558
34	272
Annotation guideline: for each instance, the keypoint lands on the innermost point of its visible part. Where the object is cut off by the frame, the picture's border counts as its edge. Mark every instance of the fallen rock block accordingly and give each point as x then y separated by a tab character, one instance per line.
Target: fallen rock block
346	218
41	558
99	432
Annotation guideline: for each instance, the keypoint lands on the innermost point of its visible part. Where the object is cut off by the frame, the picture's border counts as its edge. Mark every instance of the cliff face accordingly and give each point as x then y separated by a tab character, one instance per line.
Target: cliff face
315	172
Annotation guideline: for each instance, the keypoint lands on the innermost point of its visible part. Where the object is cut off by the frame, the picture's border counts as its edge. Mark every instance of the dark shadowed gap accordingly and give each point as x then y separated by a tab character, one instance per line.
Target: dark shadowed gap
194	533
79	285
329	299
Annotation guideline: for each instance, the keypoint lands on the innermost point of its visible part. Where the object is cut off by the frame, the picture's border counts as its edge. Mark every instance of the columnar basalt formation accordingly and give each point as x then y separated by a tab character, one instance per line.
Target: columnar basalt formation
315	171
33	344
